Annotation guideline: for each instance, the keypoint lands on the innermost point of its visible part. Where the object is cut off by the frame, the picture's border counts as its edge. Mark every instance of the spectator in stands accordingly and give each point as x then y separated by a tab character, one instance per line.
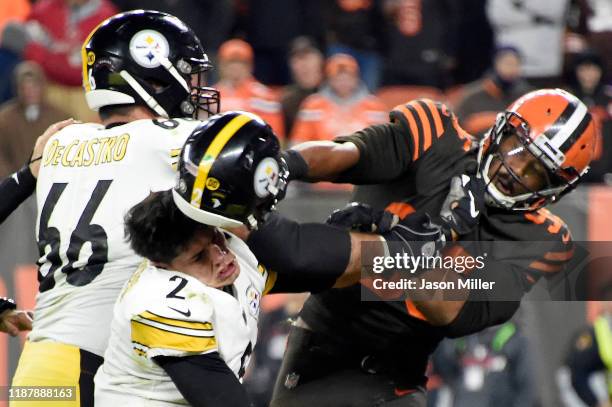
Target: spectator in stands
591	352
354	28
241	91
14	10
595	20
420	39
475	44
586	82
269	26
12	15
536	29
343	105
306	62
489	368
24	118
483	99
11	45
53	36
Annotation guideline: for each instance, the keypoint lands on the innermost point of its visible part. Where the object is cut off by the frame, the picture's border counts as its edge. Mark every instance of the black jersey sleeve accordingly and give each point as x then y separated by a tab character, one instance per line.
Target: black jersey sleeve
15	189
303	257
555	240
388	150
205	380
492	306
384	154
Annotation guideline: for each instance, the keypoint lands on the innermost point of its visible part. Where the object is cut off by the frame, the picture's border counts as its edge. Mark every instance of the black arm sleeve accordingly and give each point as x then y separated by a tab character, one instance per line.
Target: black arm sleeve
584	360
15	189
385	152
205	380
306	257
488	307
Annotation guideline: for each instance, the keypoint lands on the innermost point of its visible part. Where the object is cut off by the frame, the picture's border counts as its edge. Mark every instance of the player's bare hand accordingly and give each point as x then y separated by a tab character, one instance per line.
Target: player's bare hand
39	147
15	321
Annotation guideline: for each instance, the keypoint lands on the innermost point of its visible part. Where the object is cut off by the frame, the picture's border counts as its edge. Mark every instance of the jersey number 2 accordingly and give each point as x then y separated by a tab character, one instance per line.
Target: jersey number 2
84	232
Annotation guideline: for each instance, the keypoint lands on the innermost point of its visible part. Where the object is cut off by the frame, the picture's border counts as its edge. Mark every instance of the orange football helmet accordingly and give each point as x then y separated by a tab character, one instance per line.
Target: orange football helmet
556	128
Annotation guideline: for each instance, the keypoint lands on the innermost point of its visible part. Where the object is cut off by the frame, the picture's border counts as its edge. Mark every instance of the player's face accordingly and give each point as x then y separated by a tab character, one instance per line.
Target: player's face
522	173
208	259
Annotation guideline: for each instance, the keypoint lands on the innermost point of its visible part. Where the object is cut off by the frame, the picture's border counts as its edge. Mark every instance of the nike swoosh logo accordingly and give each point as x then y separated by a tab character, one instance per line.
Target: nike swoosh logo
473	212
187	314
565	237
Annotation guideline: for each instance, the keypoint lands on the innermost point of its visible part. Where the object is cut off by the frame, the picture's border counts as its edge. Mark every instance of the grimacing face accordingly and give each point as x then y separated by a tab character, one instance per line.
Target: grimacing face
530	174
207	258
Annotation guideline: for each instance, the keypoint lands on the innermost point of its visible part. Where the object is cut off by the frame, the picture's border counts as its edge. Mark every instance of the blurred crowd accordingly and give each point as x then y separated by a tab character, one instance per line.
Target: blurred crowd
317	69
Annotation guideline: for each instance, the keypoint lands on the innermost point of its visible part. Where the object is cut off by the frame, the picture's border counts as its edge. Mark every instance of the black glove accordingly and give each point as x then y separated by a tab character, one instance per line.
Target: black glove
7	304
362	217
464	203
416	236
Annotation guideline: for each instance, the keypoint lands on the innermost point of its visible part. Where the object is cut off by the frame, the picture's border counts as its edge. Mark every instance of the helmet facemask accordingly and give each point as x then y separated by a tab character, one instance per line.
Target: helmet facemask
200	101
521	172
203	101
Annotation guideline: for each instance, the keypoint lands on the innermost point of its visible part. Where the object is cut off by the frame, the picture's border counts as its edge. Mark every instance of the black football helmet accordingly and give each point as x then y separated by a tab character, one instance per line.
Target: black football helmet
229	171
148	58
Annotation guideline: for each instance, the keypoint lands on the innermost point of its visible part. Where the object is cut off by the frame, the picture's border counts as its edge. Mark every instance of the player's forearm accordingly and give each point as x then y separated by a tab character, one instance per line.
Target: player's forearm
327	159
14	190
306	257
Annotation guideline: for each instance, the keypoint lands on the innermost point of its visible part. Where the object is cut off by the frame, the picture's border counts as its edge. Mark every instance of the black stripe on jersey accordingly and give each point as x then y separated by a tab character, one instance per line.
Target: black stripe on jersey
563	118
417	120
567	144
430	120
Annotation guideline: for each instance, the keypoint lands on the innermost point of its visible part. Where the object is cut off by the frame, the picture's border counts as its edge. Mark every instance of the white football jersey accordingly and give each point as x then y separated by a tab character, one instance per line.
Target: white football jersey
168	313
89	178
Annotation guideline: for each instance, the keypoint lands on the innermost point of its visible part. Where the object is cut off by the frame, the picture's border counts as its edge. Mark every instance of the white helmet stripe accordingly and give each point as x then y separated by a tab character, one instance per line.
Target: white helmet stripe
570	126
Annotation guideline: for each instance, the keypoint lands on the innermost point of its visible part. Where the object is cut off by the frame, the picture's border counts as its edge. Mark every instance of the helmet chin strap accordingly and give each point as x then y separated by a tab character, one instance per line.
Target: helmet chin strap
165	62
148	99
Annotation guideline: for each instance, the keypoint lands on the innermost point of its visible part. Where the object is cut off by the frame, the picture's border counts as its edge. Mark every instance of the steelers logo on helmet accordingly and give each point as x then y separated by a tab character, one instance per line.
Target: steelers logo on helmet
265	178
147	47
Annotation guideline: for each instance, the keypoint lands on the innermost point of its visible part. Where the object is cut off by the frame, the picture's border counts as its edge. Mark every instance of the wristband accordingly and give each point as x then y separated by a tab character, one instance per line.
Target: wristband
7	304
298	168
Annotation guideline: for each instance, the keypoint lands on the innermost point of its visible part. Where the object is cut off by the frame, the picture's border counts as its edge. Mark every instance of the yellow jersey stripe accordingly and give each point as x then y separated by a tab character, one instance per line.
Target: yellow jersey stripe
200	326
270	281
211	154
153	337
